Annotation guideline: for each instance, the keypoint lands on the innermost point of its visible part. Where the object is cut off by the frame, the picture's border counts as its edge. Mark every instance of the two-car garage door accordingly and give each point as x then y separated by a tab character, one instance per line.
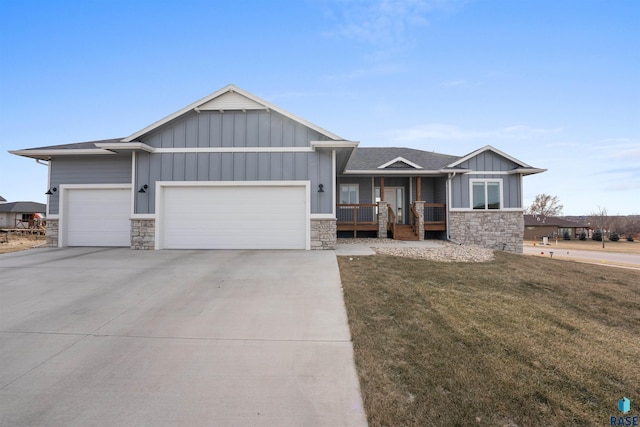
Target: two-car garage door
233	217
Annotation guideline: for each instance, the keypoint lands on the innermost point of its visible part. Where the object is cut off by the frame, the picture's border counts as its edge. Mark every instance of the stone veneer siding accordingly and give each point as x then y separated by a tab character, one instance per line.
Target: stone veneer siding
491	229
323	234
143	234
52	233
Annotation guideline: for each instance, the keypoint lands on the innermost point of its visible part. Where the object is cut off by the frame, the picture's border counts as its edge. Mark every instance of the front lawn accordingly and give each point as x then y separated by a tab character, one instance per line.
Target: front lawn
518	341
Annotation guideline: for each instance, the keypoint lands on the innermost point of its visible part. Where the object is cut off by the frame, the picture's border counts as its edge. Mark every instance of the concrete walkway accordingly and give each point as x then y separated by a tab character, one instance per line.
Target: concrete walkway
100	336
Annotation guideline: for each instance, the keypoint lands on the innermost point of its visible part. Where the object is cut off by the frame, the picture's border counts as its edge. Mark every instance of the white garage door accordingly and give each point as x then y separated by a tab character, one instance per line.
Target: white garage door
238	217
97	217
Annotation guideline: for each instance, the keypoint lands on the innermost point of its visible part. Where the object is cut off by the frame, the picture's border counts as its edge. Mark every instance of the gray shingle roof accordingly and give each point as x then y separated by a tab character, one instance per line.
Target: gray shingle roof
532	221
23	207
76	145
2	199
370	158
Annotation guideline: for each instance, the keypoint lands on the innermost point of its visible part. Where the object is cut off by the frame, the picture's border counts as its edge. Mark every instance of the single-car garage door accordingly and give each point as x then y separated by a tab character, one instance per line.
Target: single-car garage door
97	217
234	217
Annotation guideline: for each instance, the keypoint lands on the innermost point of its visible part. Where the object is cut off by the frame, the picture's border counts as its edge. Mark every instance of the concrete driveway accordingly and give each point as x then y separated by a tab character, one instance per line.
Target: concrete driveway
101	336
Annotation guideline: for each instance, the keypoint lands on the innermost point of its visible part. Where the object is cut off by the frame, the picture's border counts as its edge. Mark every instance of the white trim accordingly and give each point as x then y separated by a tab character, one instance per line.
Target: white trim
407	172
488	148
400	159
334	144
485	181
139	146
53	216
160	185
133	183
230	88
143	216
487	173
235	150
334	179
46	154
62	198
322	216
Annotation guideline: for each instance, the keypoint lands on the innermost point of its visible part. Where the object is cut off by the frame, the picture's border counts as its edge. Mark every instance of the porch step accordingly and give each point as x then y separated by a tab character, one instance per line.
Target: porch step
404	232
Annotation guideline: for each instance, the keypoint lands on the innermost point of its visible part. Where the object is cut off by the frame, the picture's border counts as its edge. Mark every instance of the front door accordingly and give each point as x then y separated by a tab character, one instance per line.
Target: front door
393	196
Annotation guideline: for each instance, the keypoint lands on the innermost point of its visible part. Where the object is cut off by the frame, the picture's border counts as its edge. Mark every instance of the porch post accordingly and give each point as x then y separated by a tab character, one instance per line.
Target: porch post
382	188
418	188
383	219
419	207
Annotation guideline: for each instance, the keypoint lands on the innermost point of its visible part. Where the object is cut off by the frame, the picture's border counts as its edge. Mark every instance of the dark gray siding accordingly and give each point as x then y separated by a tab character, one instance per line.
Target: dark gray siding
314	166
433	190
232	129
105	169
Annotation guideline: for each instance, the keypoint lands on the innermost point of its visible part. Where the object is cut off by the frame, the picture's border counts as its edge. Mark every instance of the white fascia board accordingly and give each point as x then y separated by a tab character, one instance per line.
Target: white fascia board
135	146
334	144
455	170
230	88
526	171
234	150
488	148
48	153
408	172
400	159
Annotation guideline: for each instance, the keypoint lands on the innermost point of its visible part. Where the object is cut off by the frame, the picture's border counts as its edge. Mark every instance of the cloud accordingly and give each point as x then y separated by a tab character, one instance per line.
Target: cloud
446	132
383	22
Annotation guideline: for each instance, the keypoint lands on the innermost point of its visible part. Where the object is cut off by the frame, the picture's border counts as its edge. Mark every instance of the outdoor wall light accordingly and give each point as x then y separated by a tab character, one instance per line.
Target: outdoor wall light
51	190
320	188
143	189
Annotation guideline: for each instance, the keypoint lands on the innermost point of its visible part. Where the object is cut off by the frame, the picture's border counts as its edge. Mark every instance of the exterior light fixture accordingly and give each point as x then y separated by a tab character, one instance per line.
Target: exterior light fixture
320	188
143	189
51	190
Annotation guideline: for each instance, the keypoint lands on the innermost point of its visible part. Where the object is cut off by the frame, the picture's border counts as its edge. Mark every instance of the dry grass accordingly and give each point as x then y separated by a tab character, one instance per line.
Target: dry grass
621	246
518	341
19	243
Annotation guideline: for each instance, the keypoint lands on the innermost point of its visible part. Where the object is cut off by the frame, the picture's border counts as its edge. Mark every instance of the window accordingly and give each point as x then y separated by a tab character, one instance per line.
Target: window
486	194
26	217
349	193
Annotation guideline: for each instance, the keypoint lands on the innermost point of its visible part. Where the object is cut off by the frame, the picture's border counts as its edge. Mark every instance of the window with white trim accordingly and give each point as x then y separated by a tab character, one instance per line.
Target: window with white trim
486	194
349	193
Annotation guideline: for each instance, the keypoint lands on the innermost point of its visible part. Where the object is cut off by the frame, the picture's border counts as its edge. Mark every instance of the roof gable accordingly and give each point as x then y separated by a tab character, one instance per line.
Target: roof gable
23	207
399	163
490	149
233	98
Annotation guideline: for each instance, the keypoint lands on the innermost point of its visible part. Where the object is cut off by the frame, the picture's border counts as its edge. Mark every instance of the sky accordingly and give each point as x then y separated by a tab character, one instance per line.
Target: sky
555	84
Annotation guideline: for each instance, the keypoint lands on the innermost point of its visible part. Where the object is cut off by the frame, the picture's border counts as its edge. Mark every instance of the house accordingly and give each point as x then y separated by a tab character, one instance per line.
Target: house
21	215
234	171
538	226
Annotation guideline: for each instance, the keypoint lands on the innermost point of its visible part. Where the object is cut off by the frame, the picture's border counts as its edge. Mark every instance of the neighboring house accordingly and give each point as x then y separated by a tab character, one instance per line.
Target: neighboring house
20	215
234	171
538	226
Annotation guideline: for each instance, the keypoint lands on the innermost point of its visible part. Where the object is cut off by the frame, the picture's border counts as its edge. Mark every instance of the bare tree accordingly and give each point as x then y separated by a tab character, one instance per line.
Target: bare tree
545	205
599	220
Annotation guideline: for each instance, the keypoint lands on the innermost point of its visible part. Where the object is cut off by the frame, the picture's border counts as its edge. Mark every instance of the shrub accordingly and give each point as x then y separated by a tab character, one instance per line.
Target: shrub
597	235
566	235
629	238
614	237
583	236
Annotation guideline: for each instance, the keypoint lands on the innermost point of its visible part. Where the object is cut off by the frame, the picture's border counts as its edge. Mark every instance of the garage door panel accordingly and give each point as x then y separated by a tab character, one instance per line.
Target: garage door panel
243	217
97	217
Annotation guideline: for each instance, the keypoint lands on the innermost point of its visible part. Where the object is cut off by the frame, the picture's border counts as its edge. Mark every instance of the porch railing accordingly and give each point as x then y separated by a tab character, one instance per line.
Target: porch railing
435	217
357	217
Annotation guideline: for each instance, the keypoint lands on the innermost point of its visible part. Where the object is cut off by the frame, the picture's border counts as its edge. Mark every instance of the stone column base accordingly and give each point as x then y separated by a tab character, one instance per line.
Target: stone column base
52	233
323	233
143	234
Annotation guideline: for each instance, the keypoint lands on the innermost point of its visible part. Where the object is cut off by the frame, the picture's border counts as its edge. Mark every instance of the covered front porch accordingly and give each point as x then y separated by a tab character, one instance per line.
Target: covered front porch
400	207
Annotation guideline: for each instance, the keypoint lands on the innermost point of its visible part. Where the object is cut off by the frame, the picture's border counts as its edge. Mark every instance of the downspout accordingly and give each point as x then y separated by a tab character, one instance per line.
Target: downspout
450	177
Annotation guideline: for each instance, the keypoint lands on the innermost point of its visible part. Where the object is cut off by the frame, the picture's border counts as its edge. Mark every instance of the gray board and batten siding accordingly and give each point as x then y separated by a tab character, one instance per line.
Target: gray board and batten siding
487	161
234	129
102	169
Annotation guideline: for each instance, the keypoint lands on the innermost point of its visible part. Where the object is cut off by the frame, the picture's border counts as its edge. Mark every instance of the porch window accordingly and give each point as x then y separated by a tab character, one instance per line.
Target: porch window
349	193
486	194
